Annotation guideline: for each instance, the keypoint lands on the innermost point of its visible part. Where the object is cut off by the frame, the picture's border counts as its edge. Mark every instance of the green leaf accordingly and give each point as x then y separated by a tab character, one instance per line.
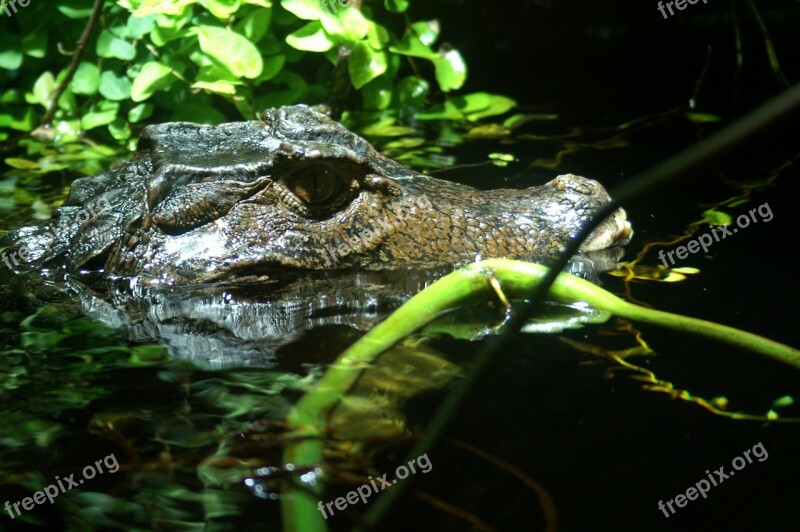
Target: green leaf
489	131
101	117
459	107
45	86
160	7
451	70
160	36
10	57
304	9
272	65
515	121
213	72
411	92
26	123
497	105
395	6
22	164
119	129
114	87
278	97
110	46
140	112
225	88
377	94
405	143
505	157
144	355
152	77
35	44
12	95
75	12
365	64
223	9
271	45
348	24
255	24
781	402
138	27
715	217
310	38
377	36
413	47
232	50
426	31
176	21
119	31
702	118
67	101
87	79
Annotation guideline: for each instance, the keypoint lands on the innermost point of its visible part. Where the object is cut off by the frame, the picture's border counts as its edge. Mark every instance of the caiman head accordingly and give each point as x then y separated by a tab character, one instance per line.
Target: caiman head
201	203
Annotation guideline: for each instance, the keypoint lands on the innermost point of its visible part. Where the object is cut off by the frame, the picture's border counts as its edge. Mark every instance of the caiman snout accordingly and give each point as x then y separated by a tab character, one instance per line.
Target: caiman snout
615	230
582	199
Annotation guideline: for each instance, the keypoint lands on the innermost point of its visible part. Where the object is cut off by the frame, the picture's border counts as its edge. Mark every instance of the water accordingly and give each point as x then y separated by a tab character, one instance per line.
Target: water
198	445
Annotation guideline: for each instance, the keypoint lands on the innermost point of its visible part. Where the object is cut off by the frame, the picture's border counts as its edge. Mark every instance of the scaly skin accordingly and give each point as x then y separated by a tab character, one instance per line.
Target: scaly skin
295	190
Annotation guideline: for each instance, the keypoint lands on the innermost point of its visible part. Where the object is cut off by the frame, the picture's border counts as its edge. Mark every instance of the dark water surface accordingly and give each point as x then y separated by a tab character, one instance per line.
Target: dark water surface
604	448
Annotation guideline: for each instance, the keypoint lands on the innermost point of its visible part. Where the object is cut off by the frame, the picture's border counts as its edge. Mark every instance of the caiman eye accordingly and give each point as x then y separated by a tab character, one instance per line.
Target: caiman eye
315	185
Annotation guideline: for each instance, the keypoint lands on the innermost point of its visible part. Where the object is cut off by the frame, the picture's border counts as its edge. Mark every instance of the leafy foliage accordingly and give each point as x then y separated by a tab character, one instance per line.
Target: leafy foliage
209	60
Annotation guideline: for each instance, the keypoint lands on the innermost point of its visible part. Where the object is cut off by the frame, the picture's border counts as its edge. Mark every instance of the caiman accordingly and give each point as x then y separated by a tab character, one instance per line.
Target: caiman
294	190
226	243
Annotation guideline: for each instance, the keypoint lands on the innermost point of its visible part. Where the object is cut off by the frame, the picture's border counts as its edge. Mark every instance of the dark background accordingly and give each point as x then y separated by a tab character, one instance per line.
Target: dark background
605	449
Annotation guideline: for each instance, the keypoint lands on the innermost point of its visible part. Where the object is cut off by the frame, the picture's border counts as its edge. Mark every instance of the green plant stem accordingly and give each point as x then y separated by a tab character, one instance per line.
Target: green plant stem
307	422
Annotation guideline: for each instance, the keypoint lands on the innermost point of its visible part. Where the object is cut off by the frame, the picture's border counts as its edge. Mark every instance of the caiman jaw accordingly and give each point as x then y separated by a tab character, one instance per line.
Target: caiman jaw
614	231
